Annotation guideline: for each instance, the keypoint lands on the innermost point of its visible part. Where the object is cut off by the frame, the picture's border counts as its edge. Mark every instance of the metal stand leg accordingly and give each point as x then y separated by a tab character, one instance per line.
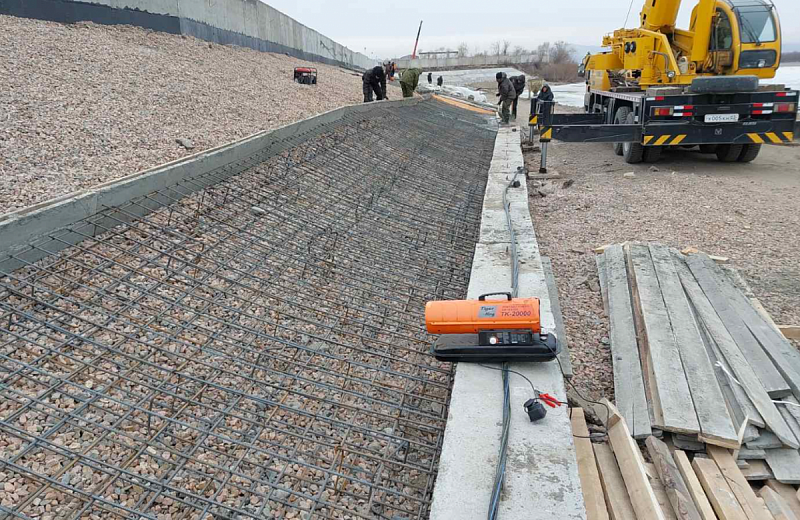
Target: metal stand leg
543	167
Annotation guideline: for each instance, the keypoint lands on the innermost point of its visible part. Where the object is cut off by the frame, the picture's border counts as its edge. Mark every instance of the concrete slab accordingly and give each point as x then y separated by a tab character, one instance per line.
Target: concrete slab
542	480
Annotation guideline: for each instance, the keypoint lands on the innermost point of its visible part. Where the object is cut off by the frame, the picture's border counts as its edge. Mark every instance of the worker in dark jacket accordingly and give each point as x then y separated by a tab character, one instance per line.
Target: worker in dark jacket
374	80
430	78
440	81
507	95
409	81
519	88
546	94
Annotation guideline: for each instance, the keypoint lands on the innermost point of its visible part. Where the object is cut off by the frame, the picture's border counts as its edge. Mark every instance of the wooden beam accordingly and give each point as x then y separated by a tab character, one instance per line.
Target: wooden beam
674	485
716	425
555	306
644	502
602	276
693	485
616	494
739	364
748	454
587	469
785	465
628	379
717	490
663	500
757	470
736	481
766	441
784	356
790	331
723	302
776	504
788	494
661	355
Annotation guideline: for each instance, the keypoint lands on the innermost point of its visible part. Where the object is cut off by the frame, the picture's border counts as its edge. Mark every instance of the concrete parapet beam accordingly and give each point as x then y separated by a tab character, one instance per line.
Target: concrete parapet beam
541	480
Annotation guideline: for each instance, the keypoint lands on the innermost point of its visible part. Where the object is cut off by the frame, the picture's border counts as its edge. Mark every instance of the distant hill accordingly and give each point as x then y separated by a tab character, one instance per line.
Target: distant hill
791	47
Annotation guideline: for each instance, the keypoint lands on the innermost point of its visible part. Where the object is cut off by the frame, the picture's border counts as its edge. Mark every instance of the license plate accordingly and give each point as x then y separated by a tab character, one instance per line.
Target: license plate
722	118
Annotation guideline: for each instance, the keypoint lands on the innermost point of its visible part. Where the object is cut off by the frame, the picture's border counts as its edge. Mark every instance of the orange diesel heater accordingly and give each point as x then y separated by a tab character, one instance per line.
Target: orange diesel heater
489	330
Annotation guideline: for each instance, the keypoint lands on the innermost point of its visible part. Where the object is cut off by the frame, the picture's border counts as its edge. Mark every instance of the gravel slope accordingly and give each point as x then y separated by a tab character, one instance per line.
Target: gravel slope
82	104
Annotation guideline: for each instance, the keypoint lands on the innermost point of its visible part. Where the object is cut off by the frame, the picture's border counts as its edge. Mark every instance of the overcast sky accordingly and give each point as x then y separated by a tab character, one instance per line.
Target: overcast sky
388	29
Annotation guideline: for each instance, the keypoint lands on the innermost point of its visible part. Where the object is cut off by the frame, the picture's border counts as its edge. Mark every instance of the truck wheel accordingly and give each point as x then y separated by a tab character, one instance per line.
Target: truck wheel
619	119
729	152
632	152
749	152
708	148
652	153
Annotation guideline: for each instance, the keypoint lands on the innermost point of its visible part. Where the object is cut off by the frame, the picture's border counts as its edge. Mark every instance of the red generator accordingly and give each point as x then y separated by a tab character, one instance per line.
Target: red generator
305	75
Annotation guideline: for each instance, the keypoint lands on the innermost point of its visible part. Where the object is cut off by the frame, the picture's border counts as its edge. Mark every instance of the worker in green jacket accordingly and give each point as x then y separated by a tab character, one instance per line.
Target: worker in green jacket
409	81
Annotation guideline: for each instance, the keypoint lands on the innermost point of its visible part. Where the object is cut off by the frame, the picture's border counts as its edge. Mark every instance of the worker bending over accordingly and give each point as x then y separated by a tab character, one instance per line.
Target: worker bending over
430	78
519	88
507	95
374	80
409	81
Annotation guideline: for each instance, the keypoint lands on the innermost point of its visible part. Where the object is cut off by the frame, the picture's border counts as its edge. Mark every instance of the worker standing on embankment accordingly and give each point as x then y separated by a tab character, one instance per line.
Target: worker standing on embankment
409	81
519	88
374	80
507	95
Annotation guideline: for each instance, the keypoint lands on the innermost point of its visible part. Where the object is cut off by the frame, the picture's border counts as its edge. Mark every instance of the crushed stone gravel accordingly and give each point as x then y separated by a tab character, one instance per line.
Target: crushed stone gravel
83	104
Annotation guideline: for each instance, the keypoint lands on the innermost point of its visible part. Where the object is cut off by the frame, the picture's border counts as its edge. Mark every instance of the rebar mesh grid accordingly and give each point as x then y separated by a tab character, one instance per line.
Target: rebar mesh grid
254	349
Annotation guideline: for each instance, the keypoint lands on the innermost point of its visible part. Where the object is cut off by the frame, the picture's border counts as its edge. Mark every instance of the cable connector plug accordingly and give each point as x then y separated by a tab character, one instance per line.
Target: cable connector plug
535	410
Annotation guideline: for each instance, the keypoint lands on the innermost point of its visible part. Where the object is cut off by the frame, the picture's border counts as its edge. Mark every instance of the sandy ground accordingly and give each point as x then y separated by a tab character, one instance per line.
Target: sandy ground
83	104
748	213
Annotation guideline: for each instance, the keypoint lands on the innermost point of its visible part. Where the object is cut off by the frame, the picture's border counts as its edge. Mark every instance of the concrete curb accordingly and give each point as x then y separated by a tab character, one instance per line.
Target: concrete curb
542	480
20	228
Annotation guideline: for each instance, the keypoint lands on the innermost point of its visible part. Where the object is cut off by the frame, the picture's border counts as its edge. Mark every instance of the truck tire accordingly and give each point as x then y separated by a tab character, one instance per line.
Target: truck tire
729	152
652	153
749	152
619	119
632	152
711	84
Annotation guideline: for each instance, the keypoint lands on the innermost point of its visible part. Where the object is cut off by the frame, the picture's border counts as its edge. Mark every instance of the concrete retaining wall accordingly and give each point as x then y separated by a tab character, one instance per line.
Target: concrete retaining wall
247	23
541	481
473	61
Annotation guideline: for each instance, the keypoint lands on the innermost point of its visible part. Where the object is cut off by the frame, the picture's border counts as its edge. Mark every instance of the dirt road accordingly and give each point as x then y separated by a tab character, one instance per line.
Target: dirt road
750	213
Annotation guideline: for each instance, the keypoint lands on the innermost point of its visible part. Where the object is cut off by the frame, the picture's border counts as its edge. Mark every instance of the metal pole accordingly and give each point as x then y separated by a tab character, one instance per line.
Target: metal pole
543	166
414	54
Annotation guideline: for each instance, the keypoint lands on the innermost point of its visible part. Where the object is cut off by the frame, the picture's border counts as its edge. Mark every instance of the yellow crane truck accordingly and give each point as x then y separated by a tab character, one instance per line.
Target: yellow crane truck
661	86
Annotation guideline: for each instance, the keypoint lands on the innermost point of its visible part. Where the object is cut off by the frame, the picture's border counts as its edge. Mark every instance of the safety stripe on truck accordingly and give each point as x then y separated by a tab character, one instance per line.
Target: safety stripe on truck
662	140
772	138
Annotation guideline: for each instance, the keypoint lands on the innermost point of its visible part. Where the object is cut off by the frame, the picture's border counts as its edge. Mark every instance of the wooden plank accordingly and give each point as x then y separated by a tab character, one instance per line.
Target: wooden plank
670	388
587	469
757	470
716	425
789	417
739	364
785	358
766	441
628	379
693	485
788	494
686	443
717	490
643	500
561	331
736	481
663	500
790	331
785	465
676	490
750	433
616	494
748	454
776	504
602	276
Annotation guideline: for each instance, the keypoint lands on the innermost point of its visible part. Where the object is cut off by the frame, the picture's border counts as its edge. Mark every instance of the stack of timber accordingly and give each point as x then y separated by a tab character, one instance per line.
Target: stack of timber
620	481
698	363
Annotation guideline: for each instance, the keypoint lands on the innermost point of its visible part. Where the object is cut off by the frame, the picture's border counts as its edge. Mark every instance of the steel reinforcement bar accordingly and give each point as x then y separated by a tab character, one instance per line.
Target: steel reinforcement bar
247	343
